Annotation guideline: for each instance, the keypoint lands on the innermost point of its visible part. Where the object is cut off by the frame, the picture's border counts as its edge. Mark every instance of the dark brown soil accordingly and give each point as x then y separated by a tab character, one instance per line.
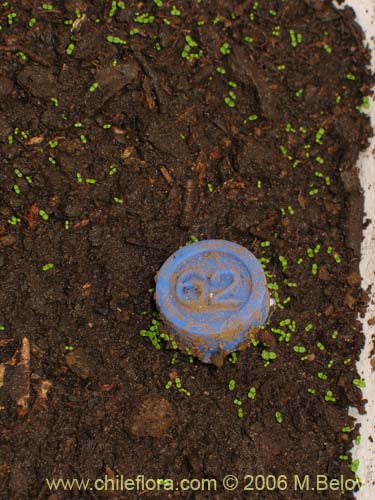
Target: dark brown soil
227	143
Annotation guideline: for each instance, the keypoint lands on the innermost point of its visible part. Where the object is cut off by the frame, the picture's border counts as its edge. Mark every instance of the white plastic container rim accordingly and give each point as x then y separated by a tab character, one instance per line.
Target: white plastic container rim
365	451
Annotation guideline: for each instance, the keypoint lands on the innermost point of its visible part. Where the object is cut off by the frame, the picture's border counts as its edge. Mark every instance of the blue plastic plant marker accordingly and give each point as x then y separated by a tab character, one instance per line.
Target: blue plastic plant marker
210	296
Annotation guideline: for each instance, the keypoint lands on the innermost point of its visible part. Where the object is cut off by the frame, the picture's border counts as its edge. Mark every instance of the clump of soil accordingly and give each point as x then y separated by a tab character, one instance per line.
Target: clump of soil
126	130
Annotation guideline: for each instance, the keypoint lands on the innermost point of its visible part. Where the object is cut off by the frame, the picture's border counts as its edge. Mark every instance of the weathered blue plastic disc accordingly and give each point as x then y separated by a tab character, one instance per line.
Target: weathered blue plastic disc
209	295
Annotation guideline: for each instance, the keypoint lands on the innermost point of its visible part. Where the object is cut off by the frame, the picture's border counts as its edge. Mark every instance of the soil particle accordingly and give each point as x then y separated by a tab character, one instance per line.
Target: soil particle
323	274
7	240
349	300
344	127
37	80
153	416
354	278
79	363
267	338
165	139
255	156
5	126
6	86
20	481
112	80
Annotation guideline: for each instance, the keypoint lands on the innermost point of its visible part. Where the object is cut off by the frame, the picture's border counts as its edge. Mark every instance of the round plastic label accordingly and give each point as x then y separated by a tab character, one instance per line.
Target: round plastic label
210	294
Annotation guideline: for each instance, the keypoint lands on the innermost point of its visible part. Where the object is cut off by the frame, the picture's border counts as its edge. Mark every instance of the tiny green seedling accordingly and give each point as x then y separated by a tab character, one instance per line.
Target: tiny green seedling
268	355
329	397
233	358
252	393
112	169
189	51
355	465
70	48
359	383
225	49
346	429
43	215
48	266
116	40
144	18
279	417
93	87
192	239
175	11
283	262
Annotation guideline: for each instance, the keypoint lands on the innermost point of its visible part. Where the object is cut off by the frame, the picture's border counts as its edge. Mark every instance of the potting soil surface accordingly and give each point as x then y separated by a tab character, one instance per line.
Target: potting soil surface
127	131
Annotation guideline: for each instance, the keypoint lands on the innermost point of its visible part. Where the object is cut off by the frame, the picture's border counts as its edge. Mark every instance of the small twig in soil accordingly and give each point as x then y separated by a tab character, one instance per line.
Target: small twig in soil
52	11
21	143
23	399
246	66
81	223
200	167
32	216
219	124
78	23
357	35
35	140
21	389
42	395
262	43
142	244
28	52
189	204
6	341
147	87
167	176
148	71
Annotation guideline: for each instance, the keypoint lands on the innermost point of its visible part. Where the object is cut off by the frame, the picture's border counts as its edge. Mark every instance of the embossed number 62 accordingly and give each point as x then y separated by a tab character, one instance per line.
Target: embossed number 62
217	289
